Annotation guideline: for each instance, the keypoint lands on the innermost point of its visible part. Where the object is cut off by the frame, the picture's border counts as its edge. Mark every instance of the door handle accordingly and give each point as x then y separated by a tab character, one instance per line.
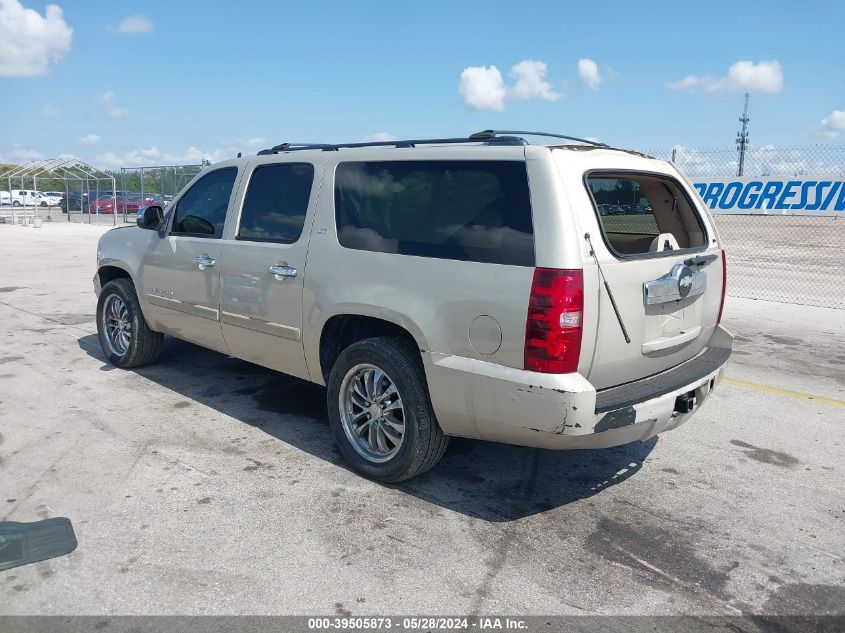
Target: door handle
204	261
282	271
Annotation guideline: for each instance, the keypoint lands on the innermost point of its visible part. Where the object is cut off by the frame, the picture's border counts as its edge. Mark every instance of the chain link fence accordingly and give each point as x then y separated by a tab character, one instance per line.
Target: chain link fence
766	160
778	256
141	186
774	257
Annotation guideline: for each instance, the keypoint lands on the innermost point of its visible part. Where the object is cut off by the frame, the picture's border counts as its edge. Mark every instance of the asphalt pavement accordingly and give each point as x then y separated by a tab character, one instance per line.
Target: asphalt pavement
206	485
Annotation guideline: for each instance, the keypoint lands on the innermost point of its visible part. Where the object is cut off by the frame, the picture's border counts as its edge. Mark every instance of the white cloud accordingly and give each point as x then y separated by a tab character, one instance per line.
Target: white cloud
588	71
143	156
135	24
110	109
50	112
133	158
833	124
151	155
690	82
483	88
764	77
380	137
18	154
90	139
531	82
30	42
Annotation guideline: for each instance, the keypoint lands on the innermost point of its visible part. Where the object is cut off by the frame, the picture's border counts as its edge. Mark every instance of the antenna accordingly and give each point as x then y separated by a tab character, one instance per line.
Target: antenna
742	136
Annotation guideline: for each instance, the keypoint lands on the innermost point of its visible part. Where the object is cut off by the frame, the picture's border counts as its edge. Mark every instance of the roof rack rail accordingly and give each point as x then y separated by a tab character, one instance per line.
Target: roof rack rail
490	137
292	147
283	147
491	134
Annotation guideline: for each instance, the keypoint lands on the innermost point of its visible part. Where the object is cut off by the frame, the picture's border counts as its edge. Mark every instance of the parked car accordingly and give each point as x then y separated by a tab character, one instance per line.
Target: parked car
473	287
30	198
75	202
5	198
104	203
133	202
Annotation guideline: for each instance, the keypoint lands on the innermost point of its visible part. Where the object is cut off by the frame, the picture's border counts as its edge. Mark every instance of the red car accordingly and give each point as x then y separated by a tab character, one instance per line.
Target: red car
103	204
128	202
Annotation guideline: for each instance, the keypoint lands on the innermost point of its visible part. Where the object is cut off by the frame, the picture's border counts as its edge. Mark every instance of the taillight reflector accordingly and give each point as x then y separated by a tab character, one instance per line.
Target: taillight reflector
724	286
555	321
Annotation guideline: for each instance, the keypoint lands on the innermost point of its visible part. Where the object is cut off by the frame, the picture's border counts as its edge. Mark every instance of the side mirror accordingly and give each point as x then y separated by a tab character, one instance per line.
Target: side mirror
150	218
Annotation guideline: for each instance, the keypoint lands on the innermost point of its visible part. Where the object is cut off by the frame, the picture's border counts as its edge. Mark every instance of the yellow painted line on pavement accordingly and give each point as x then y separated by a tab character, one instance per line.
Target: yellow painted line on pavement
782	392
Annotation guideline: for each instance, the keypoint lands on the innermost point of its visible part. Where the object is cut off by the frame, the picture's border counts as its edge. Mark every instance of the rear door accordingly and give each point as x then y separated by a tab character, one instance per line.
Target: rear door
659	254
264	266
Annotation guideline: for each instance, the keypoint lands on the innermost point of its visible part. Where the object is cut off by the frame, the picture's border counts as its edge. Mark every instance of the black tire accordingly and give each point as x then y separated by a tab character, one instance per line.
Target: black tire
424	442
16	204
145	345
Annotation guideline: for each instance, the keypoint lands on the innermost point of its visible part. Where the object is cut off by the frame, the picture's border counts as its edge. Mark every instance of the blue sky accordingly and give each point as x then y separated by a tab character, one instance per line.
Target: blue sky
184	79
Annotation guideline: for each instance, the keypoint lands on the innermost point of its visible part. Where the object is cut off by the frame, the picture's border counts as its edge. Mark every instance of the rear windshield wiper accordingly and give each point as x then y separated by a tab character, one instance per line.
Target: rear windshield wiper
607	287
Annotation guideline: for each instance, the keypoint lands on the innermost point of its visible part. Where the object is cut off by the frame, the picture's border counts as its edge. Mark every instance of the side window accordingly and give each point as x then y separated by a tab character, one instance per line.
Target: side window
466	210
202	210
635	209
276	202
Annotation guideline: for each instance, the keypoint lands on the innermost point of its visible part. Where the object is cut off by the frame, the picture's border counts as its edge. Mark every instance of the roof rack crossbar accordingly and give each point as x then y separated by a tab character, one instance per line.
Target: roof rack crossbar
489	134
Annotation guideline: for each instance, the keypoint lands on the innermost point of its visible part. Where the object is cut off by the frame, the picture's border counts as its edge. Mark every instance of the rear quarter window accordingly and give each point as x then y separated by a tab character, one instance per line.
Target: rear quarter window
464	210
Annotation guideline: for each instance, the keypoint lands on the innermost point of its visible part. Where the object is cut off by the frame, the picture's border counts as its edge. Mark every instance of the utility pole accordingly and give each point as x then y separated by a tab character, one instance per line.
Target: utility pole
742	136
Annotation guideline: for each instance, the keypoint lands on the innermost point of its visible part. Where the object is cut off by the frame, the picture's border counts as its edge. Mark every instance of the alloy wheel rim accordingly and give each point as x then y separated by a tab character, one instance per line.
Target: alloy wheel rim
372	413
117	324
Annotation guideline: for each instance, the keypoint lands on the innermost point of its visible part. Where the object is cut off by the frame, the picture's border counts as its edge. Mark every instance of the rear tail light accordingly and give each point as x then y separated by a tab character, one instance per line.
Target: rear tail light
724	286
555	321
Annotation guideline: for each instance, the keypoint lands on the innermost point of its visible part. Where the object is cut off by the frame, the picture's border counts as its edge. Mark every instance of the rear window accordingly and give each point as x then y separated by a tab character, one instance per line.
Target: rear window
644	213
466	210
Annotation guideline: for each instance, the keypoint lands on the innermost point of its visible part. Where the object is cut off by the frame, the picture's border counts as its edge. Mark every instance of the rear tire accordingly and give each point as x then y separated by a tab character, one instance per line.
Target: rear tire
376	387
125	337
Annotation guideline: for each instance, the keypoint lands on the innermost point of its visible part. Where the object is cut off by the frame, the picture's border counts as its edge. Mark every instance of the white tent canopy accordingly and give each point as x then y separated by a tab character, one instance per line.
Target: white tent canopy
67	174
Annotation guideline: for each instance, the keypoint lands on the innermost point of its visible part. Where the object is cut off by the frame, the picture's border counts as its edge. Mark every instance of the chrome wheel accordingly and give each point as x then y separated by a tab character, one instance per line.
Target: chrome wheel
117	325
372	413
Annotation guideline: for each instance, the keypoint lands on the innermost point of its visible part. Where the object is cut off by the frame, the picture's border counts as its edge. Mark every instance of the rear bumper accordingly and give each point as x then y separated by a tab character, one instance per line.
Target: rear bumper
564	411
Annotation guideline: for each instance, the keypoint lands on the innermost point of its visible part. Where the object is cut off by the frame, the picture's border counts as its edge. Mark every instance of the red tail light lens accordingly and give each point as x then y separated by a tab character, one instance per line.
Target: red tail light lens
724	286
554	325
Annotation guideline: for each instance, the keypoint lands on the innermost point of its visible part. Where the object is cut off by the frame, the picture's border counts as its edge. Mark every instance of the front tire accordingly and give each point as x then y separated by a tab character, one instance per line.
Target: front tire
125	337
380	411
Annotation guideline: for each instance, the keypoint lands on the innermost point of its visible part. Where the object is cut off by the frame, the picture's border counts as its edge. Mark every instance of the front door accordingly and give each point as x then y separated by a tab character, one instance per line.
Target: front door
181	273
264	266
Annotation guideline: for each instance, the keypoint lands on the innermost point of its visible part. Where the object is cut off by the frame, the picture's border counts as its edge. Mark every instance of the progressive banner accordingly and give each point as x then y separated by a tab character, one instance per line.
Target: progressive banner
773	196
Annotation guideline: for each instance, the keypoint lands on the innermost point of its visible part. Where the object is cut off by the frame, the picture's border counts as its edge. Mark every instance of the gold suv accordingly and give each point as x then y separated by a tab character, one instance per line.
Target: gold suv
559	296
